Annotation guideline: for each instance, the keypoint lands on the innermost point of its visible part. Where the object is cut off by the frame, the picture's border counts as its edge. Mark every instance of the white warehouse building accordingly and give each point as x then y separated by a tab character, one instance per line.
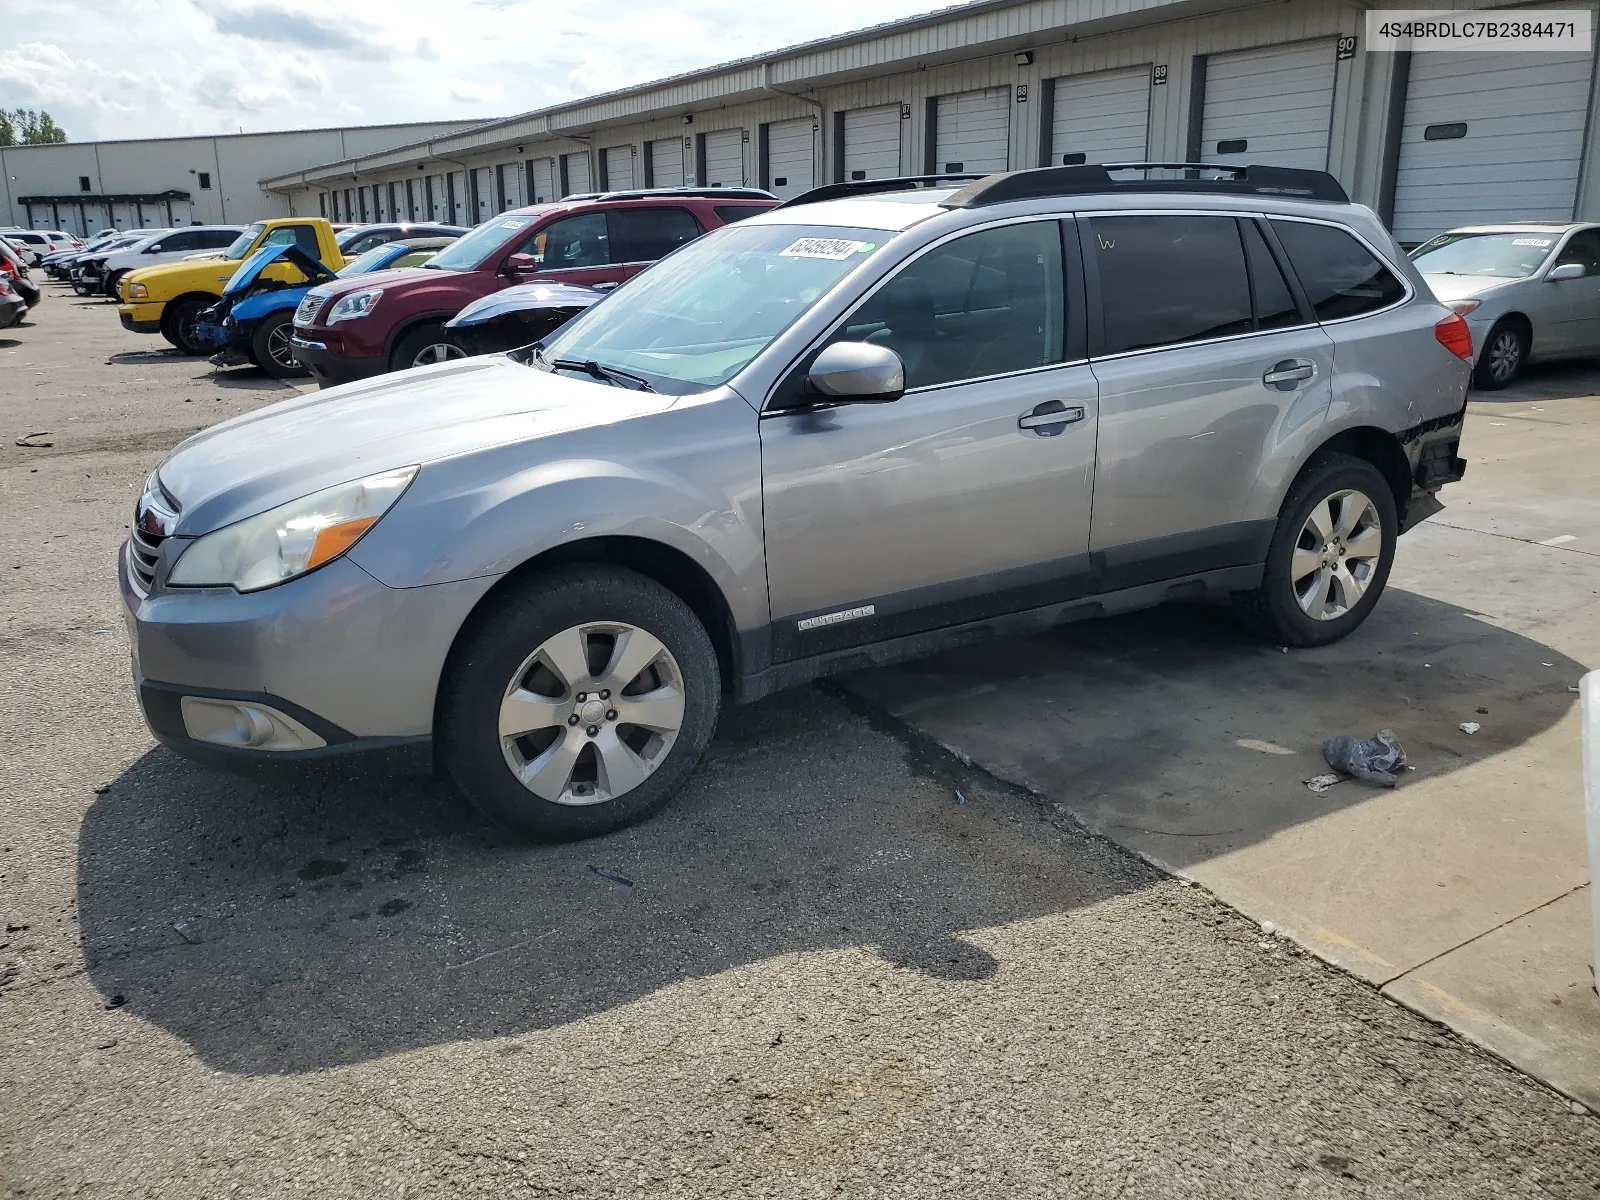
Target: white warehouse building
81	187
1430	140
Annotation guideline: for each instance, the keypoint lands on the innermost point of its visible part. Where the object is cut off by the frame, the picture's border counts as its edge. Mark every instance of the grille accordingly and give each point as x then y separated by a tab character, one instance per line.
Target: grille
143	551
306	312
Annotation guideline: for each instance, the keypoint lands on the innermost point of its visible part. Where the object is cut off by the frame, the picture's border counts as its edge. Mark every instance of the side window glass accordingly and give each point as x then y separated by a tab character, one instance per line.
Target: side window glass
1584	249
1275	306
737	212
217	239
1166	280
1340	275
363	244
577	241
646	234
984	304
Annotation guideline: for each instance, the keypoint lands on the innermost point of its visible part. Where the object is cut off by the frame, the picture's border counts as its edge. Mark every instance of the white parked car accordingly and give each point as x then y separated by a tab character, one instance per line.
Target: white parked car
30	243
168	246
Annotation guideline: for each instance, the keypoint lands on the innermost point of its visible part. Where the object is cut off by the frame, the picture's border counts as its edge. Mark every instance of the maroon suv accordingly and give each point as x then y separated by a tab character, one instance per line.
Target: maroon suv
387	320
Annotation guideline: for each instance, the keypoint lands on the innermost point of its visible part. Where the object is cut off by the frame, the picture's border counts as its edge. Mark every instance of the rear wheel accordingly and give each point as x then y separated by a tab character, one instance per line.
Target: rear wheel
270	347
1330	555
580	703
1504	352
177	325
425	346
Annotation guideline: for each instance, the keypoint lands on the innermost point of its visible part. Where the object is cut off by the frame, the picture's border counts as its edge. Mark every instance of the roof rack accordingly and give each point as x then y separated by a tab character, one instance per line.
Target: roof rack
1254	179
866	187
716	193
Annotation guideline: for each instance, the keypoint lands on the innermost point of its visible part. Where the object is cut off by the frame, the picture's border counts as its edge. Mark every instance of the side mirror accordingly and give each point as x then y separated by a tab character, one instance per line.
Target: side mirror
1565	271
858	371
156	249
521	264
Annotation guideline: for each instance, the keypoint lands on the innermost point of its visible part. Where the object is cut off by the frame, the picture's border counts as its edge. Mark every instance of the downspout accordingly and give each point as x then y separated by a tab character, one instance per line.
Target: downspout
766	86
820	152
466	179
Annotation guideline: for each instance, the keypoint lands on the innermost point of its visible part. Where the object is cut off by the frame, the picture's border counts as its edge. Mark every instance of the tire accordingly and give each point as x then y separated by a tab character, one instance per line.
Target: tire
1504	352
177	325
113	285
425	346
270	349
1333	486
574	751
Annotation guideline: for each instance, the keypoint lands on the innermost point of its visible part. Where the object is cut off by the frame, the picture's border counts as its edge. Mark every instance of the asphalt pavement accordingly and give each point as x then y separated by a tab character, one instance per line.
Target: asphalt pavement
843	963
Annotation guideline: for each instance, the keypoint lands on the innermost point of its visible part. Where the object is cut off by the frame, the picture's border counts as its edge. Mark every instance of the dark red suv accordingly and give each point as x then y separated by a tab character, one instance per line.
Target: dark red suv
368	324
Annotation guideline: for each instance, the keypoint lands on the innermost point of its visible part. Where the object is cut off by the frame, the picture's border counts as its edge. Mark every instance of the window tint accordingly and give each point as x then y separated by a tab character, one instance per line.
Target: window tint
984	304
1165	280
737	212
1340	276
578	241
1584	249
175	242
215	239
1275	306
646	234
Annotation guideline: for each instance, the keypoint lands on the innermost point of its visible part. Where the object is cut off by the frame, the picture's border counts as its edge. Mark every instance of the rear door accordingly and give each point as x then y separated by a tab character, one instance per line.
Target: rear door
639	236
1198	386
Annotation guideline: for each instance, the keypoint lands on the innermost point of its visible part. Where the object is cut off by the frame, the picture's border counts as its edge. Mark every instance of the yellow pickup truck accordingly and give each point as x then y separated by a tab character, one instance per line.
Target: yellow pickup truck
167	298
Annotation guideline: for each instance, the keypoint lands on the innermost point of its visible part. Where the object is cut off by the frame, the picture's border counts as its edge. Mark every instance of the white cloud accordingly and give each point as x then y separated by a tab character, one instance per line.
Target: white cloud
150	68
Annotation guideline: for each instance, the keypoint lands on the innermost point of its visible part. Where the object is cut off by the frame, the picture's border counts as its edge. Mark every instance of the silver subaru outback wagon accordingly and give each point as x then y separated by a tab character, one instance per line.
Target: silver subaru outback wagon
880	420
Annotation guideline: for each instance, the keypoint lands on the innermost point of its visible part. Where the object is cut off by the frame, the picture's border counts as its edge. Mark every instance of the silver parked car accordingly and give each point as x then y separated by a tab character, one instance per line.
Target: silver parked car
881	420
1530	291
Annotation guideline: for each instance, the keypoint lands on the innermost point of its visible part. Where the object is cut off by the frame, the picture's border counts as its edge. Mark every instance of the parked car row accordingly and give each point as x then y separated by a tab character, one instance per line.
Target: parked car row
18	291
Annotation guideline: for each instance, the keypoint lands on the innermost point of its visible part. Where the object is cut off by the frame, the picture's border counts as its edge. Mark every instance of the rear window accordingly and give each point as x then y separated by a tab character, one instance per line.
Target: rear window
1341	277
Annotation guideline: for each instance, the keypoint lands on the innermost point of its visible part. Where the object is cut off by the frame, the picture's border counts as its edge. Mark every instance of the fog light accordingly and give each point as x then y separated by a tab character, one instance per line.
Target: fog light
244	724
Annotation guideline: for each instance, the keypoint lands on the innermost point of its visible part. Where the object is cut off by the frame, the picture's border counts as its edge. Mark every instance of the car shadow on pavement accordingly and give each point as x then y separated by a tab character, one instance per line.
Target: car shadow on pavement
288	923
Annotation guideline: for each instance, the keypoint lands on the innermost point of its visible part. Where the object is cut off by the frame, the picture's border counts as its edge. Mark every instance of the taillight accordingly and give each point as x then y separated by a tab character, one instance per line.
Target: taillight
1454	336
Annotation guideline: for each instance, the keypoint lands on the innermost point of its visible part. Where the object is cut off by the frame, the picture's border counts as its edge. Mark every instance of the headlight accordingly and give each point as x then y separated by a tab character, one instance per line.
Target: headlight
1463	307
291	539
138	291
355	304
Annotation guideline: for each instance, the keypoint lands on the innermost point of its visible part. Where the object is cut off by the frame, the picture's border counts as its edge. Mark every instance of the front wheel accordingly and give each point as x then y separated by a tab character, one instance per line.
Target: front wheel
270	348
178	325
113	285
580	703
426	346
1504	352
1330	554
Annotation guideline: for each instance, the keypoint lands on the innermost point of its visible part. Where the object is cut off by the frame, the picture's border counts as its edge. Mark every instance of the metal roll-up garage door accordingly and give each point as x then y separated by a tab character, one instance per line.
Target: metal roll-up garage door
872	142
790	157
666	162
1489	137
619	168
1100	118
1273	105
577	169
972	131
724	154
540	174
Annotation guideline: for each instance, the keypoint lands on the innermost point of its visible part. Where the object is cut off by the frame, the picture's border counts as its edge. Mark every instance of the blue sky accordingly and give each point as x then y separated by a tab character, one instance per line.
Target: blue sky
151	68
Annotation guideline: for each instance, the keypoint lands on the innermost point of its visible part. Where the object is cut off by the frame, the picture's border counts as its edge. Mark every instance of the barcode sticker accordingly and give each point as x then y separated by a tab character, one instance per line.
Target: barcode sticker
830	248
1532	241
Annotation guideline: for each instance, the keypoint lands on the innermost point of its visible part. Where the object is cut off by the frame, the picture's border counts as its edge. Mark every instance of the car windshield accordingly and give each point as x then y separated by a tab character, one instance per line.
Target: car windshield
372	260
241	244
698	316
1511	255
471	251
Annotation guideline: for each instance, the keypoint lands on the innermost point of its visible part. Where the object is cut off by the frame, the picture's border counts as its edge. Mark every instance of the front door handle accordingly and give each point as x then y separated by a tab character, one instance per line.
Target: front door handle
1051	417
1286	375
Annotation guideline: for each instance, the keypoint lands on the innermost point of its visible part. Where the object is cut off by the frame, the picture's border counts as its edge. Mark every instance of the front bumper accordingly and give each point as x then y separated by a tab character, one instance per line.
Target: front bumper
140	318
328	368
352	660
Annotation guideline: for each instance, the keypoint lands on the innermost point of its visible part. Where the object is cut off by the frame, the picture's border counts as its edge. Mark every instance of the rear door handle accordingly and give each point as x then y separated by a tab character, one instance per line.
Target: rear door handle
1286	374
1051	417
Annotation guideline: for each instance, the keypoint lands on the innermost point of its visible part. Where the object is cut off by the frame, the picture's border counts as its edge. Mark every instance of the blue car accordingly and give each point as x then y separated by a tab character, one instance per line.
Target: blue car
253	320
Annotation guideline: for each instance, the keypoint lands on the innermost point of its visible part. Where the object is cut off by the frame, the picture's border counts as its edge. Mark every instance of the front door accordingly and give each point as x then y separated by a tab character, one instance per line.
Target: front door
1206	361
963	499
575	249
1573	304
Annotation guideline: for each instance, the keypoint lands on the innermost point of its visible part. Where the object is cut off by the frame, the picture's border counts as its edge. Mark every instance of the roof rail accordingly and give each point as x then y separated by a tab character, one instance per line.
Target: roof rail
1254	179
866	187
716	193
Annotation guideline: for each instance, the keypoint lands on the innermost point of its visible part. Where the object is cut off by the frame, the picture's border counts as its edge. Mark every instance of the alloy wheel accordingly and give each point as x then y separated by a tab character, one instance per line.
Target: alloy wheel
1504	355
1336	555
591	713
279	348
437	353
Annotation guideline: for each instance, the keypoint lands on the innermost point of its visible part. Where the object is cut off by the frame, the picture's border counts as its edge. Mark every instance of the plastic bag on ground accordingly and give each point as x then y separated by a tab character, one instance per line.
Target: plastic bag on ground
1372	761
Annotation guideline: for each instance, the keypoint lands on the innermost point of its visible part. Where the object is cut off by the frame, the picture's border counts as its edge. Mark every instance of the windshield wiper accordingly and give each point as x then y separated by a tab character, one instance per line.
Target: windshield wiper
595	370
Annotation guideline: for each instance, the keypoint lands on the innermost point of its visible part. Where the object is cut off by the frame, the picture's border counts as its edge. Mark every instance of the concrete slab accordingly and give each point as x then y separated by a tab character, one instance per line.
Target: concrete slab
1523	990
1174	734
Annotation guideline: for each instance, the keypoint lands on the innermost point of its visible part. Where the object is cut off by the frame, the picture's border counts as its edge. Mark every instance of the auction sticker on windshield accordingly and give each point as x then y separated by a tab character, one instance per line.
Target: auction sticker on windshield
830	248
514	223
1532	241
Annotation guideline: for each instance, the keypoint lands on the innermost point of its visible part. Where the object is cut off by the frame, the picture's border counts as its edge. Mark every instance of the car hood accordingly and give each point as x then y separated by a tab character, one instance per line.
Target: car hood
164	279
268	457
387	276
525	297
1462	287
